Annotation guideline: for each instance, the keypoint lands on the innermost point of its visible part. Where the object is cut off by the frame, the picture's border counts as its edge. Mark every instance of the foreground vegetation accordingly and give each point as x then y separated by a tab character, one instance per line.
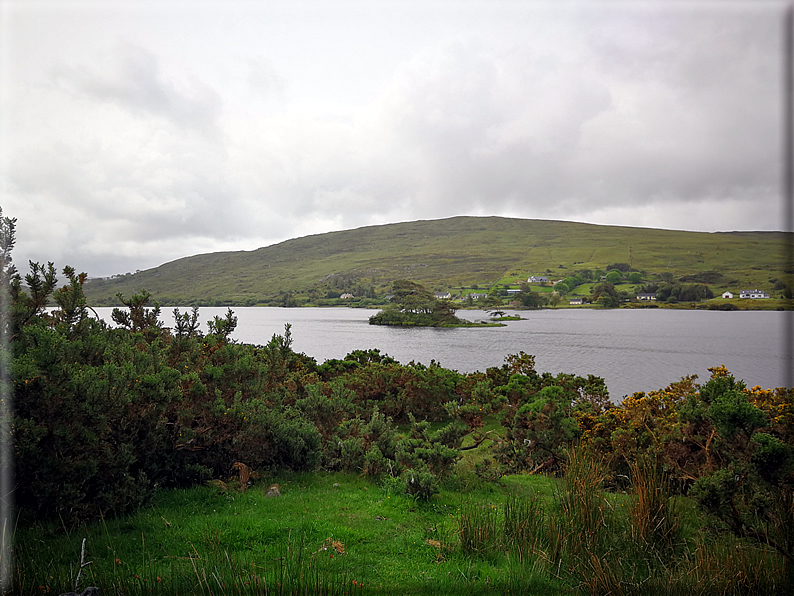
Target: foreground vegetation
157	445
456	253
337	533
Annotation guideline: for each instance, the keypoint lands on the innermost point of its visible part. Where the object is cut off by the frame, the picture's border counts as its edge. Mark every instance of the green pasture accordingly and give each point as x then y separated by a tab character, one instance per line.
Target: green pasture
334	533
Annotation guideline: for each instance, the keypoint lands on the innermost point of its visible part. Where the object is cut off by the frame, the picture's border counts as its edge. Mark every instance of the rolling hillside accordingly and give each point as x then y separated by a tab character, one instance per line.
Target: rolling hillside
449	253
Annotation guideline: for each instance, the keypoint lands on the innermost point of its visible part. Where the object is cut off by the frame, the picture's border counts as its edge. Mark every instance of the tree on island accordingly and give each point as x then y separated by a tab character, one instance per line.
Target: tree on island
413	304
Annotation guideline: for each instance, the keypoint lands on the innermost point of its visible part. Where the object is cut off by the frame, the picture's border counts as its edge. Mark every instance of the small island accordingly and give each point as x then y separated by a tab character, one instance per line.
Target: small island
500	315
413	305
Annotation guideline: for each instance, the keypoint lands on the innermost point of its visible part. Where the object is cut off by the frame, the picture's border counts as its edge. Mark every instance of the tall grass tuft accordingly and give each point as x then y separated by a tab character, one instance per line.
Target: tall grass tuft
479	530
782	516
583	515
654	524
601	576
583	533
730	568
524	525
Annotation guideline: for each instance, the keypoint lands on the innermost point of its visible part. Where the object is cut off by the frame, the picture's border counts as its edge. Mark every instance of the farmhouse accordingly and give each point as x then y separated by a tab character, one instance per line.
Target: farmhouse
346	296
753	294
727	295
443	295
575	301
536	279
646	296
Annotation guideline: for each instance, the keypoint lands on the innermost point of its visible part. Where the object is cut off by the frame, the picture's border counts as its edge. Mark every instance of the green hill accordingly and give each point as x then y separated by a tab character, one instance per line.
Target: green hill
450	253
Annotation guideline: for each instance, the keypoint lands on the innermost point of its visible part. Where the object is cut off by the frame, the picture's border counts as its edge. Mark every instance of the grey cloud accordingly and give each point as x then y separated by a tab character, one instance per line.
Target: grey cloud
506	131
550	129
475	127
136	83
617	115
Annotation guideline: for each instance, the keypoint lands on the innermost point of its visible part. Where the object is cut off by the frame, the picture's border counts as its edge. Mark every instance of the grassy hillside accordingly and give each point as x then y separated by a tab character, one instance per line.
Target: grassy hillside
450	253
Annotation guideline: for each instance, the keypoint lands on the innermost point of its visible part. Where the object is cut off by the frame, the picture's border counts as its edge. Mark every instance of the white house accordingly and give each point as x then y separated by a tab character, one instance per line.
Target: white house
575	301
536	279
646	296
753	294
443	295
346	296
727	295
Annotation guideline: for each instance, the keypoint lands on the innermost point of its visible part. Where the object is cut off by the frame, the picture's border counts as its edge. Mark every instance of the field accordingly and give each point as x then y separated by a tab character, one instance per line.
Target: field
445	254
334	533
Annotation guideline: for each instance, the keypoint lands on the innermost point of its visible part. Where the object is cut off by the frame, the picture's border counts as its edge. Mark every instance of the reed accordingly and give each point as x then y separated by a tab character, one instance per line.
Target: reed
653	520
524	525
479	530
730	568
584	519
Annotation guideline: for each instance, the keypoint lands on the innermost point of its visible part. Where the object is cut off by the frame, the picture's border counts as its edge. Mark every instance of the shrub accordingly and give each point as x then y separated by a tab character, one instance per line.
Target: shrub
420	483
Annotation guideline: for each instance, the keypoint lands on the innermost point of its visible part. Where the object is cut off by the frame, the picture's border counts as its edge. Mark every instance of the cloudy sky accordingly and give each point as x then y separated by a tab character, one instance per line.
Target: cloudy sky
133	133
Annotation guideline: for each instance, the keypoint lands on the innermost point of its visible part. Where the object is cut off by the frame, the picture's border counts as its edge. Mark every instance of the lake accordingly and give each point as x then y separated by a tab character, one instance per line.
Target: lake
633	350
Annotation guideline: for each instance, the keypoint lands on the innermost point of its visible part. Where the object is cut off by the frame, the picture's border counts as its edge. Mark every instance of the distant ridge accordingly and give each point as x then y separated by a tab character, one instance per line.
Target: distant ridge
446	253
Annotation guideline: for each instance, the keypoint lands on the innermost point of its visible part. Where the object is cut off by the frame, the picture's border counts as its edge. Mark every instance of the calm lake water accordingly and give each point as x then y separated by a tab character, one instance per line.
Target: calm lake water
633	350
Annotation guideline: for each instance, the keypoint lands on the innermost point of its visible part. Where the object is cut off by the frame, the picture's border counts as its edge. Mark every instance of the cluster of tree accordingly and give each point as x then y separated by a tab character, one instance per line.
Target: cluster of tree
351	282
529	299
414	305
781	286
679	292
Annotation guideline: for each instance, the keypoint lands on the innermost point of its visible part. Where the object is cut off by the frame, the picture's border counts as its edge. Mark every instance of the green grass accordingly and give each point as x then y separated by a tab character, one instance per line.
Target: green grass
340	534
198	539
449	253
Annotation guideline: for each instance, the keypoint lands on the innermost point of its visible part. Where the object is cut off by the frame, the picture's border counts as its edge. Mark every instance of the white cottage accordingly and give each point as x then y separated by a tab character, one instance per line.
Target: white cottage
753	294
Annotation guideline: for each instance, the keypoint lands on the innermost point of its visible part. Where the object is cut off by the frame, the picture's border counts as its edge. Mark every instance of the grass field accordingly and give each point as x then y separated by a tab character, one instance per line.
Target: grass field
340	534
449	253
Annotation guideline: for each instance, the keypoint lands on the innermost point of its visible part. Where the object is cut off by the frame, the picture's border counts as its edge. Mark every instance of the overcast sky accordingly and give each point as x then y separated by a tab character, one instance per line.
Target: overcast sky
134	133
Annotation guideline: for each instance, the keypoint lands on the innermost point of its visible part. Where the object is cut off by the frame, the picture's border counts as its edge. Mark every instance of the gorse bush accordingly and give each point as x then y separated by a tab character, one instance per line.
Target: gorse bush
104	416
88	430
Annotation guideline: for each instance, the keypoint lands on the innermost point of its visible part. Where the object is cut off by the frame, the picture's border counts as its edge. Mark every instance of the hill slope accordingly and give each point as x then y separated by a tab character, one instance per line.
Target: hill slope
448	253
